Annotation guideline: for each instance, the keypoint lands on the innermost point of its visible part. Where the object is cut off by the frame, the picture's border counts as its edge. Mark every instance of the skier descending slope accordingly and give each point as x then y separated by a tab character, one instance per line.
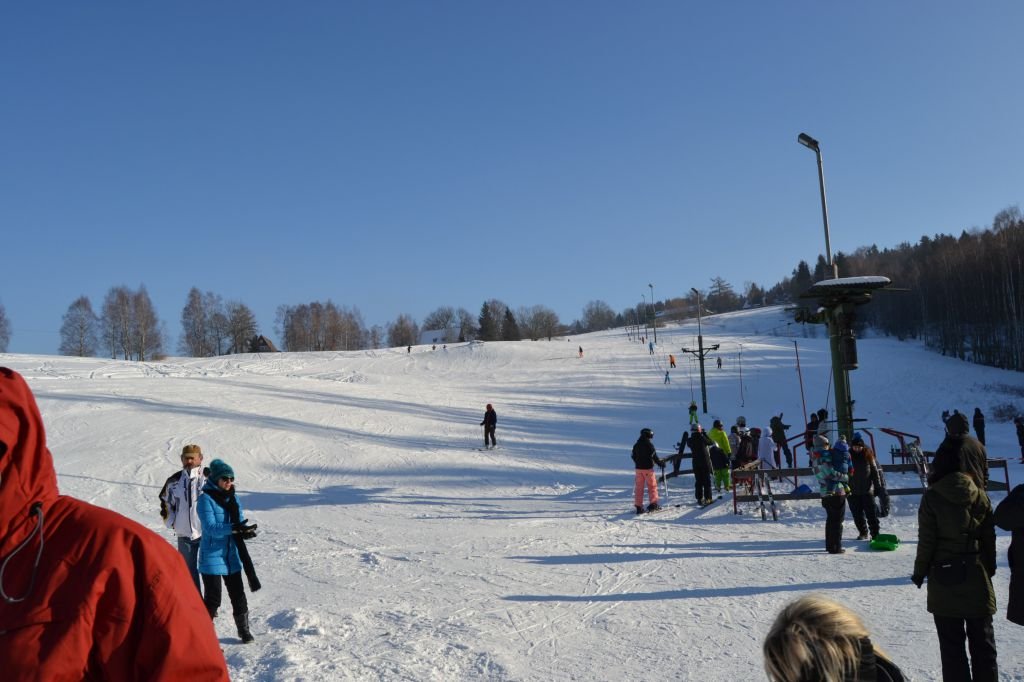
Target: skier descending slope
644	458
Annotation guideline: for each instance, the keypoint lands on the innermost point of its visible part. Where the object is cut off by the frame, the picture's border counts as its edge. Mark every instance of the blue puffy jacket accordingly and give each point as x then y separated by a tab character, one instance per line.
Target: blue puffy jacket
218	553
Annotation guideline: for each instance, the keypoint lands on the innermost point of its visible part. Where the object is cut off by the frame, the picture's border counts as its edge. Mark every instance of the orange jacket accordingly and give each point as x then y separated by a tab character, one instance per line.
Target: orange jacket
108	598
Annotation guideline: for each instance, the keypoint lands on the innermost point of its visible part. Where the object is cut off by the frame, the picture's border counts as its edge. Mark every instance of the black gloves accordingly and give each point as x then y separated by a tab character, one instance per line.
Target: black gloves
243	530
917	580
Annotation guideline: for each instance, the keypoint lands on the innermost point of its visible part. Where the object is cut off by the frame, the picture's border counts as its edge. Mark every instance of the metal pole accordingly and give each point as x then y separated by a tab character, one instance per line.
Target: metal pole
812	144
644	308
700	352
654	319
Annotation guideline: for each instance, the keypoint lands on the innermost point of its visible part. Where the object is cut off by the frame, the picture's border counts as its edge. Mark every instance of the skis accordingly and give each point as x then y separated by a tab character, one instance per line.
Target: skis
771	496
760	499
920	463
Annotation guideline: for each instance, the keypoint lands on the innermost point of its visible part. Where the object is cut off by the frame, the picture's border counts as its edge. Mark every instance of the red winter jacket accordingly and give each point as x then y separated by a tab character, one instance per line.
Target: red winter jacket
109	599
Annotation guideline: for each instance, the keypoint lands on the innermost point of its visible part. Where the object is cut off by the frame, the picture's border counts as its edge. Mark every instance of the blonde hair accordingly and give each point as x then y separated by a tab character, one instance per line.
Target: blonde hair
814	638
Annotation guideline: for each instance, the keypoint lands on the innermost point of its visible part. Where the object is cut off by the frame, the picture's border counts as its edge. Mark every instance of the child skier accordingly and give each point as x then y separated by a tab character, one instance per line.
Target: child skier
693	412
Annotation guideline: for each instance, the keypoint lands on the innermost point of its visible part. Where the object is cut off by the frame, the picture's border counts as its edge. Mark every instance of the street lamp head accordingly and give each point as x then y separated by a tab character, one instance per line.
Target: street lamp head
694	290
808	141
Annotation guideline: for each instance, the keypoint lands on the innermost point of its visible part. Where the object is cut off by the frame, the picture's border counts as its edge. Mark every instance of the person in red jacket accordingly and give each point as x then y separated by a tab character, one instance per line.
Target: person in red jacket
86	593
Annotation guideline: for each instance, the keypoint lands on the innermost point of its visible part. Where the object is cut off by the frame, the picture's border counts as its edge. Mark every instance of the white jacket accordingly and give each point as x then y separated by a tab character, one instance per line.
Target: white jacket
766	450
182	497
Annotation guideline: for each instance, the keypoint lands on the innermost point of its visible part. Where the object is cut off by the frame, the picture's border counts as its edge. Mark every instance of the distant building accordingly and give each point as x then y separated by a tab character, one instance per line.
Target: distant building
261	344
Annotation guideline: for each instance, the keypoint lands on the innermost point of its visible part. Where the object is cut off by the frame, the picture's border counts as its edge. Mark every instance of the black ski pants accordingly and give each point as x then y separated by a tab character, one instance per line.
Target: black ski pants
785	451
981	640
702	484
236	593
835	511
489	430
862	506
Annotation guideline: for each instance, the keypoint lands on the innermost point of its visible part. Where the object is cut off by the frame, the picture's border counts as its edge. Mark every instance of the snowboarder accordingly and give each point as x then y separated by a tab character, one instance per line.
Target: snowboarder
1010	516
831	467
702	467
644	459
978	422
223	555
490	424
179	500
865	484
778	430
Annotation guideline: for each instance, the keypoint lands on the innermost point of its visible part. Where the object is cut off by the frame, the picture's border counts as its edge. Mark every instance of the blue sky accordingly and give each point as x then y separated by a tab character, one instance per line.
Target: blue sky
400	156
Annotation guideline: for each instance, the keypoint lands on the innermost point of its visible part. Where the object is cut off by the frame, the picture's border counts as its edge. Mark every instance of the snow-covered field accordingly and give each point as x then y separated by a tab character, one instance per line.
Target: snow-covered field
393	549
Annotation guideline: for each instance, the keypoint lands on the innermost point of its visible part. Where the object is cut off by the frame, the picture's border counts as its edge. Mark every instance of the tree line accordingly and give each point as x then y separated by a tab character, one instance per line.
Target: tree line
963	296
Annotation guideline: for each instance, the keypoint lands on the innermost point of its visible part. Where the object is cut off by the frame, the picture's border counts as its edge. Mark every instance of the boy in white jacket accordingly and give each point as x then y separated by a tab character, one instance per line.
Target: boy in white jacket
178	500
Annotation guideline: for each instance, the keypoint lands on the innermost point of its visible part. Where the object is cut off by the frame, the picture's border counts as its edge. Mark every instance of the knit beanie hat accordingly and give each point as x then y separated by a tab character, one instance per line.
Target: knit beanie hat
857	438
220	469
841	446
957	425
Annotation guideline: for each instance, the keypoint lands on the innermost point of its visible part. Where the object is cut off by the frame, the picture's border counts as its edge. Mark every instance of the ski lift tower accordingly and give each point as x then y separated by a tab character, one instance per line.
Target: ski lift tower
837	303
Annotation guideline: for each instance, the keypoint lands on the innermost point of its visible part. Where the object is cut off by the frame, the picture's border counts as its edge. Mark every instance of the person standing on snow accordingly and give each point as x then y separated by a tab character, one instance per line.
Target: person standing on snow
956	551
1019	422
778	430
672	361
700	446
1010	516
581	351
222	554
765	449
693	412
865	484
668	379
179	501
719	438
650	347
831	467
644	458
86	593
978	422
958	449
490	424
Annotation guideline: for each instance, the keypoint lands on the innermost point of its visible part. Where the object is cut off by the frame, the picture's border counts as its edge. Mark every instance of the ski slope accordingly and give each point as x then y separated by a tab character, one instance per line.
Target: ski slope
392	548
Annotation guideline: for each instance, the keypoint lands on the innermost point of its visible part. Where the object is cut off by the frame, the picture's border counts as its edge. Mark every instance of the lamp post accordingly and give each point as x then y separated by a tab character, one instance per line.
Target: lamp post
643	297
812	144
654	318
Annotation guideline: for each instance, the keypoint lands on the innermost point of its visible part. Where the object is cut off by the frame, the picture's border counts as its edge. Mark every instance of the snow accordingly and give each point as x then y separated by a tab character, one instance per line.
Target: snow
393	549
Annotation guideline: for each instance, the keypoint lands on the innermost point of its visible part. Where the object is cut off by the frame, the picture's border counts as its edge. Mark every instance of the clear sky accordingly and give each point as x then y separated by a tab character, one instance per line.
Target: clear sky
400	156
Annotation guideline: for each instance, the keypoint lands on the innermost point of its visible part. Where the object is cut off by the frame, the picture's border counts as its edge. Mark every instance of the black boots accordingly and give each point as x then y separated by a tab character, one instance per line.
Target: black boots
639	510
212	610
242	622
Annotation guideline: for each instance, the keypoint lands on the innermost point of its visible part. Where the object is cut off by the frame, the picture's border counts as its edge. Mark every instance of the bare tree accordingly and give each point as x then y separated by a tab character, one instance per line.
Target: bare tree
193	326
467	325
115	316
376	336
320	326
5	330
444	317
597	315
146	337
403	332
78	332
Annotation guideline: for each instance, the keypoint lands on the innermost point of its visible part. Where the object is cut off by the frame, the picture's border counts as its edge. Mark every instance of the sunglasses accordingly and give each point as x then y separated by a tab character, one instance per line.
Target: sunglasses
230	479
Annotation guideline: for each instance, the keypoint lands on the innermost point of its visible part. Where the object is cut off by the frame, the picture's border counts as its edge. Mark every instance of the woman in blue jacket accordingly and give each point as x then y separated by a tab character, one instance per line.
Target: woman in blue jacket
222	552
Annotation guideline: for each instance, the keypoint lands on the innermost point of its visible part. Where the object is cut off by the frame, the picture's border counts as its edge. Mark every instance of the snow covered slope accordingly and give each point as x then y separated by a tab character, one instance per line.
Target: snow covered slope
394	549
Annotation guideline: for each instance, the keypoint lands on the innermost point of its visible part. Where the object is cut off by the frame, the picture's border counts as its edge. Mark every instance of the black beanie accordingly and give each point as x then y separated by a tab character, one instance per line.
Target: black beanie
957	425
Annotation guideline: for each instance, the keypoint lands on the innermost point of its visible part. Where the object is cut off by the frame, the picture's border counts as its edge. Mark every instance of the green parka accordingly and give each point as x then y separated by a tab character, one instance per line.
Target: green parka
955	515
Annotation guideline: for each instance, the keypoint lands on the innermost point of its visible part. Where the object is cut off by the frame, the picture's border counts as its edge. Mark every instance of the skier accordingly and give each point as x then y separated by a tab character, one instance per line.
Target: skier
778	430
745	452
490	424
668	380
720	467
672	361
650	347
644	459
719	363
865	484
1010	516
956	551
831	467
702	467
734	444
581	351
179	500
721	439
693	412
978	422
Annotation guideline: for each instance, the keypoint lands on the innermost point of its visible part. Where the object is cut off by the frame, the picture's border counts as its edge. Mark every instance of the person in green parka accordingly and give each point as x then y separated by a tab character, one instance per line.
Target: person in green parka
956	551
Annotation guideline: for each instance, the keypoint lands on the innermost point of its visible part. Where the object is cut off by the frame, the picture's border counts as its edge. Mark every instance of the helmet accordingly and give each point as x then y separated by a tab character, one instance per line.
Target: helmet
696	428
646	433
741	421
717	424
